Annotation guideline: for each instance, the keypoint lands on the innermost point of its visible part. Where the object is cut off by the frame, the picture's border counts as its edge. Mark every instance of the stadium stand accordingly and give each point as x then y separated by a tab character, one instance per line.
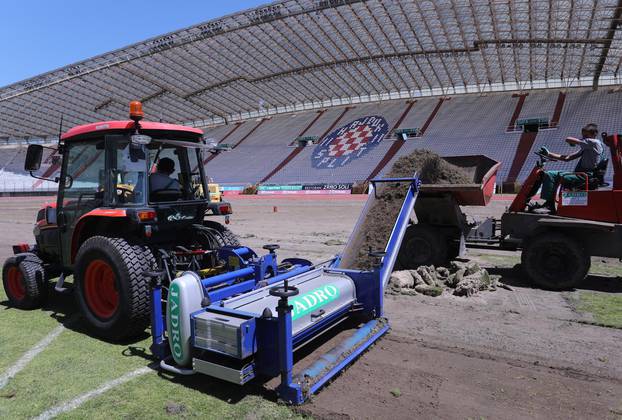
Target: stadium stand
12	174
459	125
419	113
468	125
334	63
261	151
581	107
539	104
221	133
300	170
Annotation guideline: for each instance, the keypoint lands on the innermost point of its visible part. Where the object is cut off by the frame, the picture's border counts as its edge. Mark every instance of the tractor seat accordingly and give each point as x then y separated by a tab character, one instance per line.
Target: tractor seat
598	180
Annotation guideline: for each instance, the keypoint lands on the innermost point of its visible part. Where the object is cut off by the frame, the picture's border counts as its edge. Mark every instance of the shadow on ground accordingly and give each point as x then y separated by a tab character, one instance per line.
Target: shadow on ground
63	308
514	276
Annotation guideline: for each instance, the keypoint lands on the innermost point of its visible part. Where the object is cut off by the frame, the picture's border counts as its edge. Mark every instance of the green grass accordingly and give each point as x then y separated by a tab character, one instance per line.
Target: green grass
20	330
150	396
605	308
496	260
611	269
75	363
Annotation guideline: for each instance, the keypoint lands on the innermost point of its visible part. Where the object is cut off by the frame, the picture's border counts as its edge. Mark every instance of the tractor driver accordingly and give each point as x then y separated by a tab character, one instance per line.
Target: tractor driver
161	179
590	155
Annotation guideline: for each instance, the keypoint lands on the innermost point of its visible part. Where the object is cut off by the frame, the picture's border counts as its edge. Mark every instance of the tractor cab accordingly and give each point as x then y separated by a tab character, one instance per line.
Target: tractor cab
137	179
132	211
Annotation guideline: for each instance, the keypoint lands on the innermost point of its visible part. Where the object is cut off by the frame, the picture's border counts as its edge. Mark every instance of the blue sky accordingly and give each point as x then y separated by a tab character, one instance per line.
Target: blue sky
41	35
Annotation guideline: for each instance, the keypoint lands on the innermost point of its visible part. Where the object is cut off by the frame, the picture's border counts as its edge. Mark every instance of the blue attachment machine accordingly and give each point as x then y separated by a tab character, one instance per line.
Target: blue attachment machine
248	322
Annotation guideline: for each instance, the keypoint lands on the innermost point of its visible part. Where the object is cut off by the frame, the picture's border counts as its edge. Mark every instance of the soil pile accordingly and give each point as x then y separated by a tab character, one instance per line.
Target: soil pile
461	279
432	169
379	220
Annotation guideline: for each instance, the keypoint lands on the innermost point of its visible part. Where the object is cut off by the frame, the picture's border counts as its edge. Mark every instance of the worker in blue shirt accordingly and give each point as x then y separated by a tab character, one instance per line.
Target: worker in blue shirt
590	154
161	179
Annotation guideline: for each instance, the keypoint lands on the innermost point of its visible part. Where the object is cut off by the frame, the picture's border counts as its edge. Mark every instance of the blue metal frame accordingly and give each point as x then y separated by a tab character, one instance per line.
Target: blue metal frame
353	347
272	340
287	389
159	346
253	269
370	291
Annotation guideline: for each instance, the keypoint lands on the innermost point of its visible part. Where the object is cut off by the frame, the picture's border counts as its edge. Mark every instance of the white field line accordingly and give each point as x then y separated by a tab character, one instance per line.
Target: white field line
81	399
29	355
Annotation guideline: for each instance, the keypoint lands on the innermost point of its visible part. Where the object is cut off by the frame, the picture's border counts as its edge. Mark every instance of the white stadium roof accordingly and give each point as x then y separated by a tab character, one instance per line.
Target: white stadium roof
303	54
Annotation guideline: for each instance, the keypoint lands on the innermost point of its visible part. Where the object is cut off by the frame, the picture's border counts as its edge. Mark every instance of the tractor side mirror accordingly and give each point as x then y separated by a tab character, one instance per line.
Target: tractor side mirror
34	154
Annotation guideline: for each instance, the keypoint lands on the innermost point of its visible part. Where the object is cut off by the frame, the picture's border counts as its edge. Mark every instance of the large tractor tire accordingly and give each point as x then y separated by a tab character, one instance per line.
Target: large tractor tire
111	290
422	245
555	261
23	278
223	236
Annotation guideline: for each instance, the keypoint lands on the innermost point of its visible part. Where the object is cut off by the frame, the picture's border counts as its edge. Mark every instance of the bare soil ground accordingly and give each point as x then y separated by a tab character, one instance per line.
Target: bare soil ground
520	353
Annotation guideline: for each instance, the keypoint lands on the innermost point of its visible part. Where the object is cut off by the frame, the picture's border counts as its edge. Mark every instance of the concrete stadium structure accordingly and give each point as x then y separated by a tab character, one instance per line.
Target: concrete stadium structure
461	73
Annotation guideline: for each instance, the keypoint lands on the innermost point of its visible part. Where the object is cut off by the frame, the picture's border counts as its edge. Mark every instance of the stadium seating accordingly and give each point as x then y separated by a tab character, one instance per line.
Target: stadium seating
467	125
300	169
463	125
539	104
581	107
252	159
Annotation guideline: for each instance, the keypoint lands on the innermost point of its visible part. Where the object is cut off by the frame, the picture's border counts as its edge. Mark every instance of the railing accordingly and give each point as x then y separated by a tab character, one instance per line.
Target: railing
27	186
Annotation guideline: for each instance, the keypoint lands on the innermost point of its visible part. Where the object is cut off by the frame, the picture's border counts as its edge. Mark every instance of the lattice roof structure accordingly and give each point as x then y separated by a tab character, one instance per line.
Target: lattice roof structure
302	54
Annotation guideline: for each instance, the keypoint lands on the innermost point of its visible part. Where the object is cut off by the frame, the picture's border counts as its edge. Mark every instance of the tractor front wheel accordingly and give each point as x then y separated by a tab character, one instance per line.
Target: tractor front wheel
555	261
23	277
112	292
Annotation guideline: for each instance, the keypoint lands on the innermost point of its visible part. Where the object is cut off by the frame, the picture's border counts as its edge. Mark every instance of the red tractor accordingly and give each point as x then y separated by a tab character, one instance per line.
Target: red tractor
113	221
555	249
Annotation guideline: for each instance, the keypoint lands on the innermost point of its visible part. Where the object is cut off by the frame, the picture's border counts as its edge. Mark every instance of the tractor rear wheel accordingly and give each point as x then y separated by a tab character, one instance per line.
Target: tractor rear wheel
23	277
224	236
112	292
555	261
422	245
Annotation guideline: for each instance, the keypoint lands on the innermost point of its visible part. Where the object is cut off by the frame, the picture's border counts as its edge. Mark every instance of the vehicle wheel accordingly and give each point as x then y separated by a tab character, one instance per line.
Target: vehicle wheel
422	245
555	261
225	237
23	277
112	292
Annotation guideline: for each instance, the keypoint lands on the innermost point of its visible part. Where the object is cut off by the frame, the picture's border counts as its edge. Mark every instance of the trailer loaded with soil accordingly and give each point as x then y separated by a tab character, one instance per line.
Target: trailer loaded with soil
555	248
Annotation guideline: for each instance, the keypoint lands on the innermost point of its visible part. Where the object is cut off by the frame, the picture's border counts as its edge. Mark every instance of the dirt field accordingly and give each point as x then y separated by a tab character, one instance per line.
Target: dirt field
519	353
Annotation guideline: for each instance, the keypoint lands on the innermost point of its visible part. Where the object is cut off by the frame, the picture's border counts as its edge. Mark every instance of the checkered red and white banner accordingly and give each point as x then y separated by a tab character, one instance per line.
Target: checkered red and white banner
350	142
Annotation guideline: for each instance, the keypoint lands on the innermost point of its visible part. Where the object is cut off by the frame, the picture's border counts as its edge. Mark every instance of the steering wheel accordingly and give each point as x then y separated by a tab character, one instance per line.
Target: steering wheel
546	157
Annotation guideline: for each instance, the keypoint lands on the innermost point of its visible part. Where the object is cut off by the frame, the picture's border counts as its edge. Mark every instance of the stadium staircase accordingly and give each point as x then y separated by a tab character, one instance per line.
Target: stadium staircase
517	110
299	149
395	147
248	134
528	139
561	98
294	152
